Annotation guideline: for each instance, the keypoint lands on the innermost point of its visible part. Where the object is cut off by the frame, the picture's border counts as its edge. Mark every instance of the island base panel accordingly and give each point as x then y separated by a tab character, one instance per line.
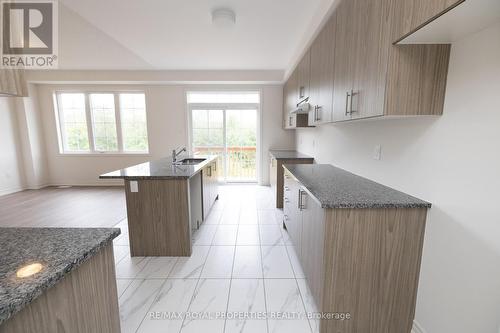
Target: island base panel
158	218
86	300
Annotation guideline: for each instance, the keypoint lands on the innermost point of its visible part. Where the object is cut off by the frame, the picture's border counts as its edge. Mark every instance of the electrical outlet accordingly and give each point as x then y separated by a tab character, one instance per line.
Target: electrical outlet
134	186
377	152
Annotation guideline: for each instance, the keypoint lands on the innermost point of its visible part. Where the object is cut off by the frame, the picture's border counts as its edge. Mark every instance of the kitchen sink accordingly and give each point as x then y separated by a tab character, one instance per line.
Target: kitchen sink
190	161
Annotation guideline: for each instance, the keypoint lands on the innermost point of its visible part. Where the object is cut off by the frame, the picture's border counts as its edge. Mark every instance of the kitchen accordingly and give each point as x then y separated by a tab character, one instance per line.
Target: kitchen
351	173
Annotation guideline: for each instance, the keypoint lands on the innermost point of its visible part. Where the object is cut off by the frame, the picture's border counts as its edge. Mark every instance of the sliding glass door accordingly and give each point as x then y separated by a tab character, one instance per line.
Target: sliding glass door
231	133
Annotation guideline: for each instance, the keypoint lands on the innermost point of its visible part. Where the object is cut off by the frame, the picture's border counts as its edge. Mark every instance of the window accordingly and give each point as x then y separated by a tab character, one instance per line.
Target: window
226	97
102	122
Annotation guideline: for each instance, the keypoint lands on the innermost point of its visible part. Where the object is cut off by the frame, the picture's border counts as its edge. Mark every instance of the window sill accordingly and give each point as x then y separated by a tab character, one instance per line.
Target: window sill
104	154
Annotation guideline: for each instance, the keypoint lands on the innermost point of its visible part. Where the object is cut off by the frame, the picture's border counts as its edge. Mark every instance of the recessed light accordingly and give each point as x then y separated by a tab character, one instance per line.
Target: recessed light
29	270
223	17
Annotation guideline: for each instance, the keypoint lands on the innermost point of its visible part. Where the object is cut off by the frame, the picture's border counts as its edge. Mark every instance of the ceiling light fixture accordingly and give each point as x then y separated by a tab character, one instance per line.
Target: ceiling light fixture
223	17
29	270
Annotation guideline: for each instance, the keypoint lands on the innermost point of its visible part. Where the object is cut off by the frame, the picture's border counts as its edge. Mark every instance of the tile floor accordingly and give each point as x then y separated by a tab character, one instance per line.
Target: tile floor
242	262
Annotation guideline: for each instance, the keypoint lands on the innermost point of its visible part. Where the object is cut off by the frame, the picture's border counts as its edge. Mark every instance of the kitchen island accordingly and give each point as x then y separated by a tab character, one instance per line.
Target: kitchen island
166	201
58	280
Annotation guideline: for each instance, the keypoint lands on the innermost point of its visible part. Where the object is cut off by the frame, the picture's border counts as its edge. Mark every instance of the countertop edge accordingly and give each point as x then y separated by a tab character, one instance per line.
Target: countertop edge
304	157
423	204
202	165
19	304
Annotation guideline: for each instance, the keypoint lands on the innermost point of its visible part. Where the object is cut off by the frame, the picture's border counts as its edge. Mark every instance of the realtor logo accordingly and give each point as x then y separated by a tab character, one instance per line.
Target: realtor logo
29	34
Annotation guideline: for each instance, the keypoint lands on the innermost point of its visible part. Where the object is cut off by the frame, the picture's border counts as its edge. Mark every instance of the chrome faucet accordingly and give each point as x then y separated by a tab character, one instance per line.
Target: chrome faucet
176	153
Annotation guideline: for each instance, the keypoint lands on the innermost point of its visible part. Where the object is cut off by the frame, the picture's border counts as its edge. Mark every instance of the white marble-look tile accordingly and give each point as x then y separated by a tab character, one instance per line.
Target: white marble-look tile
135	303
122	239
248	235
247	262
296	266
205	326
246	326
129	267
204	235
309	303
120	252
219	263
270	235
283	295
275	262
289	326
157	268
174	297
226	235
214	216
122	285
247	295
190	267
286	237
249	216
150	324
267	216
210	296
230	215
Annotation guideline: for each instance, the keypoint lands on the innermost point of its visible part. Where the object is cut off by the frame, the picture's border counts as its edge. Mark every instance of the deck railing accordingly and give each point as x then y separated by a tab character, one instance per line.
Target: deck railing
240	161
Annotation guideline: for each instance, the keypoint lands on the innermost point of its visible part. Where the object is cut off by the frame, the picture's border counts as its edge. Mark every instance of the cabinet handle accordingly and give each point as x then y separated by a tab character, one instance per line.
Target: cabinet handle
209	171
302	206
317	114
290	121
302	91
215	166
348	102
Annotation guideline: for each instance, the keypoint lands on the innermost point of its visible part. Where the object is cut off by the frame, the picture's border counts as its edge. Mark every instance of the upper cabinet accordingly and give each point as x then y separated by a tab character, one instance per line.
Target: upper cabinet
13	83
416	13
303	76
354	69
321	75
290	100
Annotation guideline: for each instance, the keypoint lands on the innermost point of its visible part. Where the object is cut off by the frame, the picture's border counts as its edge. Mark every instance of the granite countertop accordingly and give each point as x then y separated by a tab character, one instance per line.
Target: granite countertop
337	188
160	169
289	155
58	250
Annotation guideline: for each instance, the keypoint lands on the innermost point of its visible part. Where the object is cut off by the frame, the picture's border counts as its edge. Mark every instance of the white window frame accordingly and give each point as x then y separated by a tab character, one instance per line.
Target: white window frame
227	106
90	124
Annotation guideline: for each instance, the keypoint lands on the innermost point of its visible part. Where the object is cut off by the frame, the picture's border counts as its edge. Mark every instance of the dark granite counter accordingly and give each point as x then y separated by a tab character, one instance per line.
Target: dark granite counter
289	155
336	188
160	169
57	251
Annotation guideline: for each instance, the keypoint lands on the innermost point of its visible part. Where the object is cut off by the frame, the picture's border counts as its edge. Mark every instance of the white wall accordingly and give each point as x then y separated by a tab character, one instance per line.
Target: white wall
452	161
167	129
11	165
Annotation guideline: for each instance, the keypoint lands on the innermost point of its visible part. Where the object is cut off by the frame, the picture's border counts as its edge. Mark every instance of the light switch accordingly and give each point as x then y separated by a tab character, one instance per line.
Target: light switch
134	186
377	152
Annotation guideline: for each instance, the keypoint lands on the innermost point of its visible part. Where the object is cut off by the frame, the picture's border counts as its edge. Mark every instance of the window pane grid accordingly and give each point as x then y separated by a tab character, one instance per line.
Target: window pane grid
102	109
74	123
105	122
134	123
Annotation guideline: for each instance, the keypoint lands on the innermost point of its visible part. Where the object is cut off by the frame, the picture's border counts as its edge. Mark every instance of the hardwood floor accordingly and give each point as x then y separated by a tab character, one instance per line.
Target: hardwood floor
64	207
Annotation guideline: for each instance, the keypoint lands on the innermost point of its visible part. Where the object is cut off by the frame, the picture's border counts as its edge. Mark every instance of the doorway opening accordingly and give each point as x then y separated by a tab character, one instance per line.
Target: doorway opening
226	124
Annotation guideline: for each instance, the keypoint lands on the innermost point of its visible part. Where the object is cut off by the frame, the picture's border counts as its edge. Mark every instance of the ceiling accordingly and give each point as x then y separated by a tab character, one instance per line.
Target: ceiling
178	34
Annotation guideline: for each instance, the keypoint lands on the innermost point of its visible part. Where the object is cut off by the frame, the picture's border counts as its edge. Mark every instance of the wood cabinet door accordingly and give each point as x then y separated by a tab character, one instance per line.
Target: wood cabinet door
322	69
13	83
371	23
290	98
344	65
303	77
312	245
416	13
361	58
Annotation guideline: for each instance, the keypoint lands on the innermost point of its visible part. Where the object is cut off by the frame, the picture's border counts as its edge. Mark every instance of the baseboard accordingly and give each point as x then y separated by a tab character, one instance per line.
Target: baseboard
417	328
11	191
100	184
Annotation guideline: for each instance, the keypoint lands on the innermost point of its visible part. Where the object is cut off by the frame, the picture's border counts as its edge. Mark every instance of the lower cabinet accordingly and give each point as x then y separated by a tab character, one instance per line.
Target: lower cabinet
360	262
210	190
